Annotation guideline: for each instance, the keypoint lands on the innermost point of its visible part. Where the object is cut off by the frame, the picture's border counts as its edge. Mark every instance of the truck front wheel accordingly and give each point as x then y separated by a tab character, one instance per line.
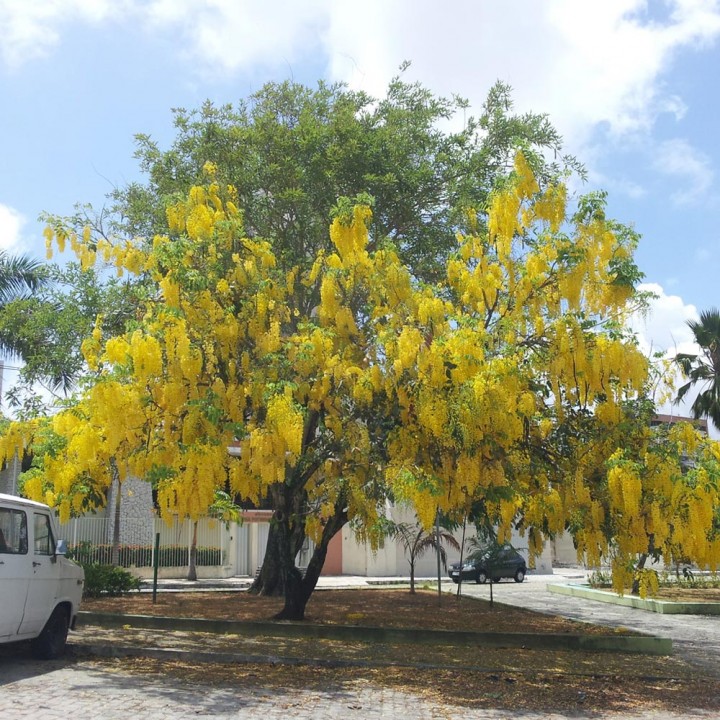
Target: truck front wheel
50	643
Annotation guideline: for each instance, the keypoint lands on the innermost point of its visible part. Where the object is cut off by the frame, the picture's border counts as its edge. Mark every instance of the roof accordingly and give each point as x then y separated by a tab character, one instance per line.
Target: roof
661	419
17	500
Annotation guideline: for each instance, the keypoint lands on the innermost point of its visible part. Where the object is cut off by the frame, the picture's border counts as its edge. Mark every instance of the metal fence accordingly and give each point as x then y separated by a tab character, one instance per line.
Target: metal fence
90	539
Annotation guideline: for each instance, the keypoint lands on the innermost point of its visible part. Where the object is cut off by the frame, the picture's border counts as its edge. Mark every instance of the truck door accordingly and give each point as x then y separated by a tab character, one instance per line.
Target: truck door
44	579
15	569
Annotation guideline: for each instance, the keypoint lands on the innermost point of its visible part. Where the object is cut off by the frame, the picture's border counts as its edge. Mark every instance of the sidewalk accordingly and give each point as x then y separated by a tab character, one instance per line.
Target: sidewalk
340	582
696	638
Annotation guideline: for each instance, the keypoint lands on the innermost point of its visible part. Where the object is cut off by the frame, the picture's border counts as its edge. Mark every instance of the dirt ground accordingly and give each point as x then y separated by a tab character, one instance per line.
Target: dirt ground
680	594
516	679
375	607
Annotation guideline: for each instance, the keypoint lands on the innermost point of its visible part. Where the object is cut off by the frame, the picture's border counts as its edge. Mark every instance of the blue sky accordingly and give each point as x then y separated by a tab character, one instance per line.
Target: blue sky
633	86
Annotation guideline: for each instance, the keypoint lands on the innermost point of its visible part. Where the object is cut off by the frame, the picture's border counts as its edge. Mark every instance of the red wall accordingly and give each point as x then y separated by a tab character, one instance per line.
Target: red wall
333	559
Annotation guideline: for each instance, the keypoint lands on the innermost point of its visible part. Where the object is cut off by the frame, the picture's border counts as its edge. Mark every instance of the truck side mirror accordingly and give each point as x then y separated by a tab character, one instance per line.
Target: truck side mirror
61	547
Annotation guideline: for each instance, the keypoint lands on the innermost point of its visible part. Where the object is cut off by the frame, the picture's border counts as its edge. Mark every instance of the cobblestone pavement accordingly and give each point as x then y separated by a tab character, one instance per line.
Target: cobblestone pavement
91	690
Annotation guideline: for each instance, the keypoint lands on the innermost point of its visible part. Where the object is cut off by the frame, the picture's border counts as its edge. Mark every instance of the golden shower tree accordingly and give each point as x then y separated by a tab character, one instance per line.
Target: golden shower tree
351	383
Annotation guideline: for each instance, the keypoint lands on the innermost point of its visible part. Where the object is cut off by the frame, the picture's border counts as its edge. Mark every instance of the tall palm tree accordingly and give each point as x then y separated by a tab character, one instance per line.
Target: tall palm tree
20	276
703	369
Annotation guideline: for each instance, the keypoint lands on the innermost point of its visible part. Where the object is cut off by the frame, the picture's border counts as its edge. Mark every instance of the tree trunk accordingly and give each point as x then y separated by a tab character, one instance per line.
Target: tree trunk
270	580
412	576
289	500
635	590
115	557
297	595
462	551
192	565
437	549
288	575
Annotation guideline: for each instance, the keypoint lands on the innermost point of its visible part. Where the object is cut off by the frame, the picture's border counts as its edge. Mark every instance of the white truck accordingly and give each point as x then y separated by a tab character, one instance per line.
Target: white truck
40	589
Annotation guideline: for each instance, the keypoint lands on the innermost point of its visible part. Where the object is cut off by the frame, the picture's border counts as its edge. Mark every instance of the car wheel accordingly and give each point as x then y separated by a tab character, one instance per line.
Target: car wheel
520	575
481	577
455	580
50	643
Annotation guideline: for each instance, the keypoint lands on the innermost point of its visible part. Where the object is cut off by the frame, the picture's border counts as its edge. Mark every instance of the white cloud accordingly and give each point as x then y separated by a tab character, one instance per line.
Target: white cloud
583	63
664	328
32	29
218	35
679	159
11	223
231	35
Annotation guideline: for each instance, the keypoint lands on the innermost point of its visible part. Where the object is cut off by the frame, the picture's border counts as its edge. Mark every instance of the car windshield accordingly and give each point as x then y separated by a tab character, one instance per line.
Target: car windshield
492	554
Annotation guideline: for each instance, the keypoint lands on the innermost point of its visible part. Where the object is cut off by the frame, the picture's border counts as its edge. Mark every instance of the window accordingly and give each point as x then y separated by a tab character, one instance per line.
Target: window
13	532
44	544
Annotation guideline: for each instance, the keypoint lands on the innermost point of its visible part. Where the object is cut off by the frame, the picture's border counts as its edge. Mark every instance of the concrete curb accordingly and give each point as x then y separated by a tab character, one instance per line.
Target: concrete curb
644	644
666	607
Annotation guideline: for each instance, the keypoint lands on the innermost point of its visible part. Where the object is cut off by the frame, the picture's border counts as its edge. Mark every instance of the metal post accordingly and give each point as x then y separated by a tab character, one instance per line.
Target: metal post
437	546
156	562
153	553
190	537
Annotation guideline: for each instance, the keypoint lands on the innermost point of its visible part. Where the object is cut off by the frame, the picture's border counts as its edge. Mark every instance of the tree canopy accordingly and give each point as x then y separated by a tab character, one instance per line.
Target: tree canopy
46	328
291	151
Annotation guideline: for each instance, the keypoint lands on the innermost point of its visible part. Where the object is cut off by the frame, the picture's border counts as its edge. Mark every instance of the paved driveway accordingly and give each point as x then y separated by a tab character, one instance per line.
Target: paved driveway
696	638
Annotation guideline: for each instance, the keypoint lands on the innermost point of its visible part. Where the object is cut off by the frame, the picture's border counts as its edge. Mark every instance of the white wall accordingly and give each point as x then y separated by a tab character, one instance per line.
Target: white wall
563	550
391	560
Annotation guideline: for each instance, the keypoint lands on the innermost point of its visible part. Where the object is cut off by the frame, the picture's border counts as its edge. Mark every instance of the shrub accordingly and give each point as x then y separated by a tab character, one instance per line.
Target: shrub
599	579
703	582
107	580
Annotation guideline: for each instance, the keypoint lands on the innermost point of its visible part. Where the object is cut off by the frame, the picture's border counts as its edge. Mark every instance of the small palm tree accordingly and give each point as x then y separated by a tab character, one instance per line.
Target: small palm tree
703	369
223	508
416	541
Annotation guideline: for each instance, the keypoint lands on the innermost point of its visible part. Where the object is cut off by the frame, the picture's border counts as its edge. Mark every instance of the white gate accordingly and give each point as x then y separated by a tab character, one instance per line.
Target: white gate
242	549
251	540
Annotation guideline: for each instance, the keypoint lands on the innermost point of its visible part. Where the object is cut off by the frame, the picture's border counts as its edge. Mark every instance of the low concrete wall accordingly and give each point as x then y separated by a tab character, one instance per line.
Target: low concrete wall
205	572
644	644
666	607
